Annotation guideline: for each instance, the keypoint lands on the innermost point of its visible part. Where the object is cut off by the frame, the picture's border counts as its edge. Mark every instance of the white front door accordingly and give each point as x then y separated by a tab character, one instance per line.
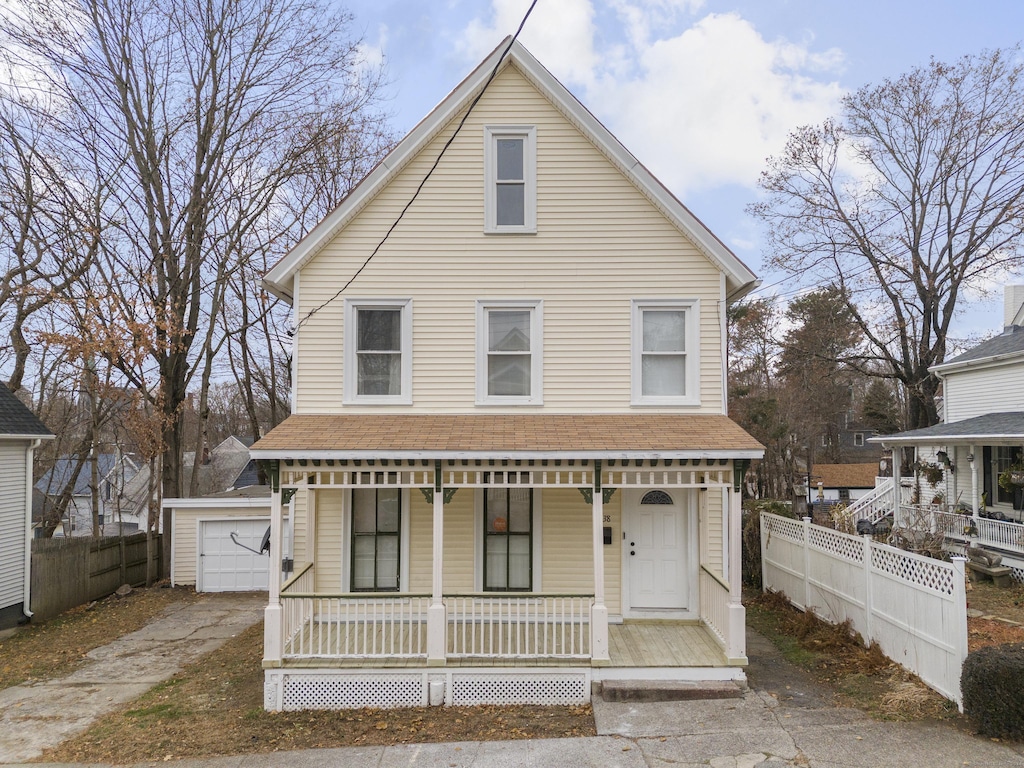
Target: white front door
656	551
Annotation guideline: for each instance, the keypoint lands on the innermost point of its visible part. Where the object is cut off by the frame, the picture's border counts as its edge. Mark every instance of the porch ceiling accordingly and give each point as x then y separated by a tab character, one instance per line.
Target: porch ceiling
508	436
990	429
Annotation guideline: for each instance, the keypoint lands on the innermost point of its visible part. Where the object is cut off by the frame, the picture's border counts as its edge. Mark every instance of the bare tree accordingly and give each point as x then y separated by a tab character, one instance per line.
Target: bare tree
195	115
912	197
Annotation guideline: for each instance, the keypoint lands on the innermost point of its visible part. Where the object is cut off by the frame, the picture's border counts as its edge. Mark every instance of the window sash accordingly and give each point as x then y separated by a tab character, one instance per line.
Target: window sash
665	352
510	197
508	540
376	540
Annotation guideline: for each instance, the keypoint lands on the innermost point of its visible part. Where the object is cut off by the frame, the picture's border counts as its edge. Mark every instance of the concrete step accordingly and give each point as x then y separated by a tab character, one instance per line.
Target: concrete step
670	690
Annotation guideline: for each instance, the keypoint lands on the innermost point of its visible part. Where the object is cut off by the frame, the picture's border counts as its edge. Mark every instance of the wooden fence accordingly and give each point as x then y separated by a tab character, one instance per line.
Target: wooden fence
72	571
914	607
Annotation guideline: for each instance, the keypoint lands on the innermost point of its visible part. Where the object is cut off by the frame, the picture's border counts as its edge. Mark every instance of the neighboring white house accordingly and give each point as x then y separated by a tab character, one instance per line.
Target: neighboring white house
842	483
226	467
509	449
20	434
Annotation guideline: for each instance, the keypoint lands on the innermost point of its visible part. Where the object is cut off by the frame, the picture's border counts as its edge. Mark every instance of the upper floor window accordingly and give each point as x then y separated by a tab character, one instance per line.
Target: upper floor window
509	367
510	173
666	357
858	439
378	351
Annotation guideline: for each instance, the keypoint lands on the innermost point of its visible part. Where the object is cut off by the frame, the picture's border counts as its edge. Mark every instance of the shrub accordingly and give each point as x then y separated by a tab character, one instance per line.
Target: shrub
992	683
752	509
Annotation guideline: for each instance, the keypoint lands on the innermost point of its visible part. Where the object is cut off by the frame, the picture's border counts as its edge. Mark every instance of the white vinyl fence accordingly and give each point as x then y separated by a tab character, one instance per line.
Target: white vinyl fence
914	607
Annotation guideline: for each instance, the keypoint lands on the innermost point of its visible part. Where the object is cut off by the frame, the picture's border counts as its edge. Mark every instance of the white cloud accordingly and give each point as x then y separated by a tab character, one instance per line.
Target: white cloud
560	34
702	103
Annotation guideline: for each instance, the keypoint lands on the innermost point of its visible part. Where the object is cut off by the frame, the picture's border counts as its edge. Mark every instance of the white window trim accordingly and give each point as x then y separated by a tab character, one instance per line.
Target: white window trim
536	396
478	543
692	309
351	394
529	135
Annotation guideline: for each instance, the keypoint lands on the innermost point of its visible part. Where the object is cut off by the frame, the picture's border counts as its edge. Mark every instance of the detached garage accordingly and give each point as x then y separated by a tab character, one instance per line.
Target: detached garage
216	541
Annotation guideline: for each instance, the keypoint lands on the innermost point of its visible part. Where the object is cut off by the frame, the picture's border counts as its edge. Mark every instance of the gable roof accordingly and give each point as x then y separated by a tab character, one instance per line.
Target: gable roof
59	475
740	280
17	421
1009	343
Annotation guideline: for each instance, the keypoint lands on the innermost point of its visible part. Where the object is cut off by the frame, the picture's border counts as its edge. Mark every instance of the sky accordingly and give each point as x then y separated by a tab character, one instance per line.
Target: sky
701	91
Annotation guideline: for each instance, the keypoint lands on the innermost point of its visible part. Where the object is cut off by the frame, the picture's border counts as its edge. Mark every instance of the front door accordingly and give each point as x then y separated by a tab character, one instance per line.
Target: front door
656	553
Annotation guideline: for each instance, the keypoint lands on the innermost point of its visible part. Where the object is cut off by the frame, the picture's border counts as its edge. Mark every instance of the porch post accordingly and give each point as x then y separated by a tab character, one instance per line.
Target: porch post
975	498
437	616
736	641
273	614
599	614
897	486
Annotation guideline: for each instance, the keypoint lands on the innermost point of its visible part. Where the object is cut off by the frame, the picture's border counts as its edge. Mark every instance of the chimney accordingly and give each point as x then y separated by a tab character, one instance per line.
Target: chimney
1013	305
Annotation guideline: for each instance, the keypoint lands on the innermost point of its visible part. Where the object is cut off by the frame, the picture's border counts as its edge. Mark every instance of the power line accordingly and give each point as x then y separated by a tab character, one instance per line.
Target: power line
416	194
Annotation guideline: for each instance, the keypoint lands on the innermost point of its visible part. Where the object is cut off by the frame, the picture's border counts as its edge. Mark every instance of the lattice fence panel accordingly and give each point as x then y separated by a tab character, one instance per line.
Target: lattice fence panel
920	571
352	691
468	690
837	544
784	527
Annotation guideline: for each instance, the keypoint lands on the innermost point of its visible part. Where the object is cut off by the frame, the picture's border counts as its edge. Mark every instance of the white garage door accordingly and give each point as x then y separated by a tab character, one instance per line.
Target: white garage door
224	566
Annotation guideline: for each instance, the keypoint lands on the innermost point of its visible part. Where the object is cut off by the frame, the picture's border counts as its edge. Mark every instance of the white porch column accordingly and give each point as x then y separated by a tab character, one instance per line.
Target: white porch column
437	616
897	460
599	614
975	496
273	615
736	641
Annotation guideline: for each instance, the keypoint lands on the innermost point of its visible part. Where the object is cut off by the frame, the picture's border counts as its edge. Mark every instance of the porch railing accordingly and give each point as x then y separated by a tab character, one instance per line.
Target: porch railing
519	627
714	604
982	531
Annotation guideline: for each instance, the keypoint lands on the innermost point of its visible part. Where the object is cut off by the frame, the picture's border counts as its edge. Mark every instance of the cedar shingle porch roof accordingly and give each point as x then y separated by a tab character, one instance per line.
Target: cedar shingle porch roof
508	436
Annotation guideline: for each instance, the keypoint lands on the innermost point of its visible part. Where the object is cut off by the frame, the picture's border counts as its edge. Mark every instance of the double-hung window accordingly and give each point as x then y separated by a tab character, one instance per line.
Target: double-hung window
510	172
509	359
666	357
378	351
508	540
376	539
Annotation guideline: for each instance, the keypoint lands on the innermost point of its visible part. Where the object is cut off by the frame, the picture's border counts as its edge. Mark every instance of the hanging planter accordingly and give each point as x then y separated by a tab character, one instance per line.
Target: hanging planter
1011	479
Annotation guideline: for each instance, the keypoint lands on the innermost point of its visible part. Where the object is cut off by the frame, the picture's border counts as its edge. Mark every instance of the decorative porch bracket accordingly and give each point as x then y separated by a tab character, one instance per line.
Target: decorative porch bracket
739	471
446	495
588	494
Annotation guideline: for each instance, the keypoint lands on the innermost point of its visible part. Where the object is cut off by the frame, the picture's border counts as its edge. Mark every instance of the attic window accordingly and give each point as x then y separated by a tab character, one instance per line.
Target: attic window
510	176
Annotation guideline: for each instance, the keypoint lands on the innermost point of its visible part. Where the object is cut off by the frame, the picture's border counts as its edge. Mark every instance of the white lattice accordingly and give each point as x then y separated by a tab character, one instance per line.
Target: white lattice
470	690
933	574
783	527
838	544
352	691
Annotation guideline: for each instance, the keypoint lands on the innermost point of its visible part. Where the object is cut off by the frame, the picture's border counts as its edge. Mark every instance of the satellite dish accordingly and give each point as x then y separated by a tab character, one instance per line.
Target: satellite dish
265	545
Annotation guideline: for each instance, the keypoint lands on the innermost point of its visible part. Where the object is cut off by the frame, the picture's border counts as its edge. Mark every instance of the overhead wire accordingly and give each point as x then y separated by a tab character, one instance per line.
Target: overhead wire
419	188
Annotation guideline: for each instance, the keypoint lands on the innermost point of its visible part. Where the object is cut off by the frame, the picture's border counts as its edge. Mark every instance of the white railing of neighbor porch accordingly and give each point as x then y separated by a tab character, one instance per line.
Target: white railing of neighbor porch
981	531
914	607
520	627
714	604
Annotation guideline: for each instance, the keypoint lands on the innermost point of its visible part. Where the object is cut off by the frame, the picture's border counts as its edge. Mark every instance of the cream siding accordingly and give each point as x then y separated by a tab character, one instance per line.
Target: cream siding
185	547
992	389
329	506
300	511
13	522
586	262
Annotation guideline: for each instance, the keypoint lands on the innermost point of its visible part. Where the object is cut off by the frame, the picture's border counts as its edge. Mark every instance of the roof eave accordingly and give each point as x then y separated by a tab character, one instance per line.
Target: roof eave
445	455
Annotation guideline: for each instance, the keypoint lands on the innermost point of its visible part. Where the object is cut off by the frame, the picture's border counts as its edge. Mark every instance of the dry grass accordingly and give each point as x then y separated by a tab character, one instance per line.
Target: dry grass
50	649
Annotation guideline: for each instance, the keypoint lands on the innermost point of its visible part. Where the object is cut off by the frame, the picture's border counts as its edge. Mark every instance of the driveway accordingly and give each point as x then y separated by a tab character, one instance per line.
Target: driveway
36	716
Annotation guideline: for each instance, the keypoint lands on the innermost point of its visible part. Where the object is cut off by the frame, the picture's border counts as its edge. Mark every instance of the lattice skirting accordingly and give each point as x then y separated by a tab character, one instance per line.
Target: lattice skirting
344	689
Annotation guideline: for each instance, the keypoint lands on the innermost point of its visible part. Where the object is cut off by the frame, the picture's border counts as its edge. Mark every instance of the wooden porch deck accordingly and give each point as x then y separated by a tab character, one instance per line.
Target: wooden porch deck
640	644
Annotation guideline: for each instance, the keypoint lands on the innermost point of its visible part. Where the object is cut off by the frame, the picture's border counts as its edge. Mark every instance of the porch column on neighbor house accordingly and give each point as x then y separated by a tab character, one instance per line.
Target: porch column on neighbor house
599	614
897	488
975	497
273	615
437	615
736	642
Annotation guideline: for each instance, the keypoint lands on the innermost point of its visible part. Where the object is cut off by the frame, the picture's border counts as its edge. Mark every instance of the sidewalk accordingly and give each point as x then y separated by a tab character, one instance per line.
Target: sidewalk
785	719
40	715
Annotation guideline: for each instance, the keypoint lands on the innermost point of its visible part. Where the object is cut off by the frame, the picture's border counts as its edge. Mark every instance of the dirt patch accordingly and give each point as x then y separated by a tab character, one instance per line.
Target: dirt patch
836	656
215	707
54	648
990	600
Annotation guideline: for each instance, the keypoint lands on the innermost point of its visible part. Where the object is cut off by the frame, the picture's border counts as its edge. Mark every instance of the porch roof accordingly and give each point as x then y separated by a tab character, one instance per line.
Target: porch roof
508	436
989	429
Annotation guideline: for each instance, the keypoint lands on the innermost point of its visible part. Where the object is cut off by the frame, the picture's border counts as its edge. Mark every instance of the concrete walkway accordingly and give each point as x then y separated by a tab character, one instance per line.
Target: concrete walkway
785	719
36	716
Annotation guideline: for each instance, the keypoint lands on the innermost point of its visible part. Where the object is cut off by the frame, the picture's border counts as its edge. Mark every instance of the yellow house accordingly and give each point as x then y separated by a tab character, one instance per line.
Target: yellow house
509	469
